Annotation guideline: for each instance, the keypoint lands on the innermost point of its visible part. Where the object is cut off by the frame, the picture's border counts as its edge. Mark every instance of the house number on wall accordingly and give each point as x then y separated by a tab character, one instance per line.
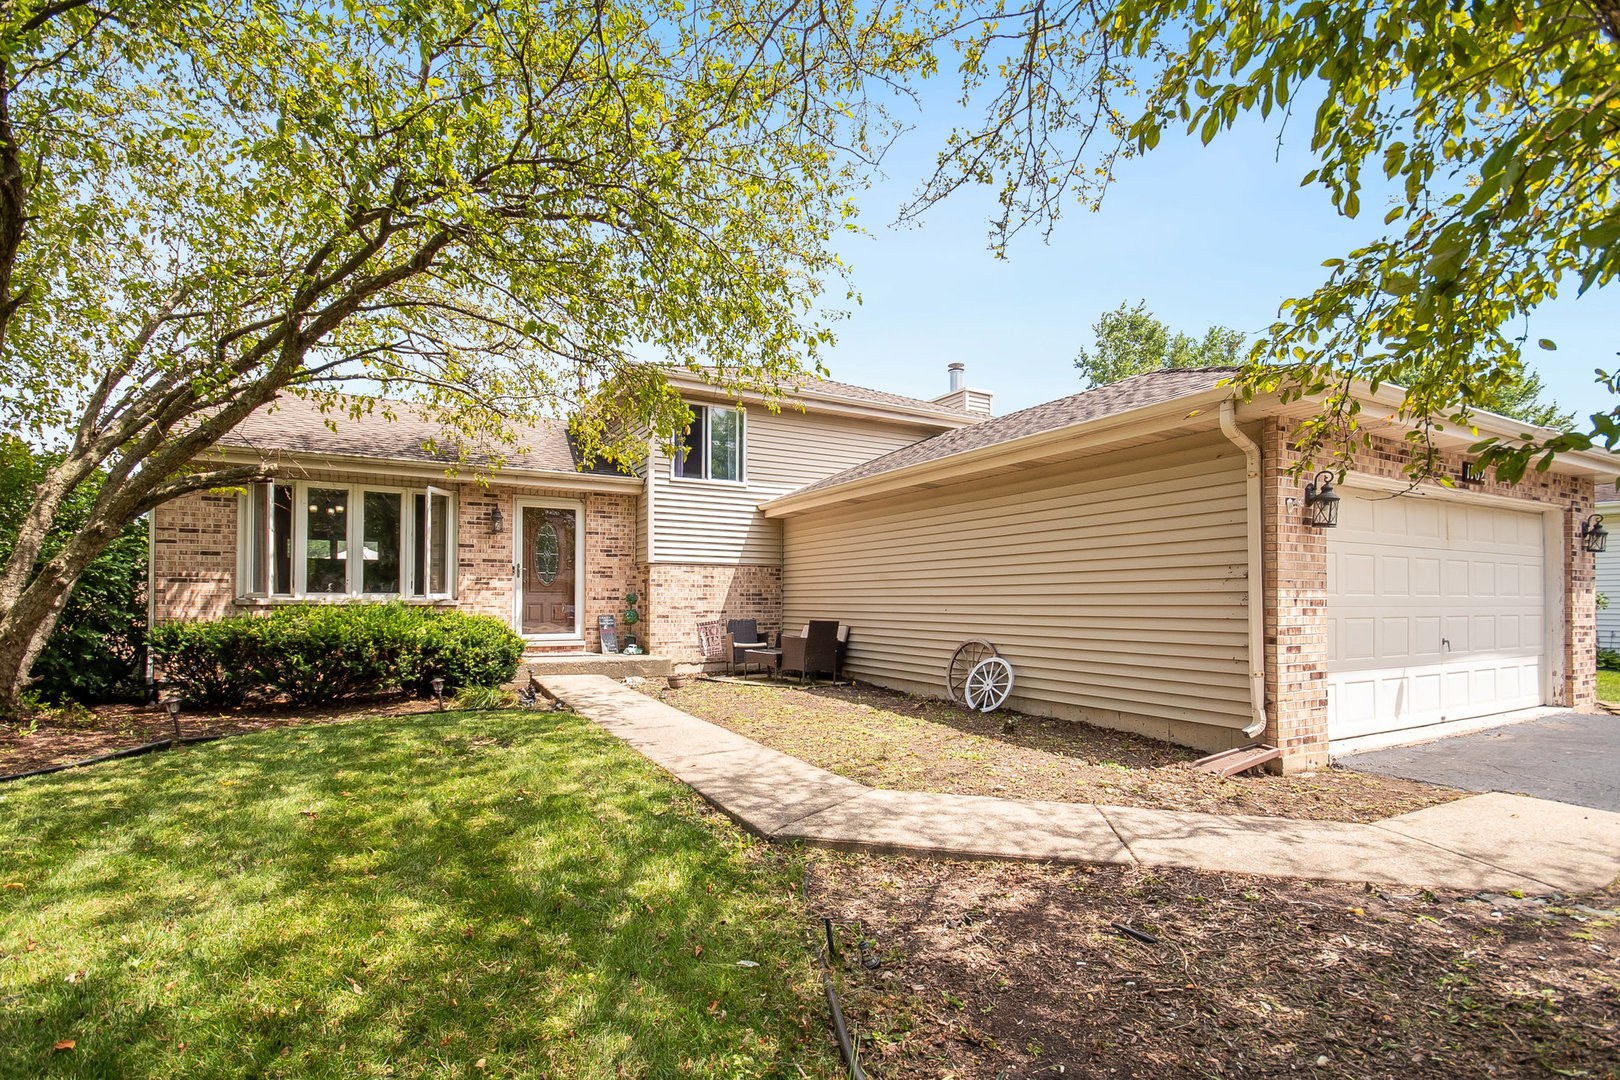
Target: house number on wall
545	554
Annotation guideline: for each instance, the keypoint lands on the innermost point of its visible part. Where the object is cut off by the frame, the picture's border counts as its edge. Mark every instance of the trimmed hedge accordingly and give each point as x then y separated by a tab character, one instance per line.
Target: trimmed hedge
319	653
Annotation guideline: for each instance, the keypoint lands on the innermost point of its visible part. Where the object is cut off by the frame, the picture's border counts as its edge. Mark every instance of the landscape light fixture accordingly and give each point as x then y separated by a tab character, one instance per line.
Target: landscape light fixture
1594	537
1321	503
438	691
173	705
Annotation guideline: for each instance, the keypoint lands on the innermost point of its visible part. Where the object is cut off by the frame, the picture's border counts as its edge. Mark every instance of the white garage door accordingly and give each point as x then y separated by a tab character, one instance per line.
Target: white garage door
1435	613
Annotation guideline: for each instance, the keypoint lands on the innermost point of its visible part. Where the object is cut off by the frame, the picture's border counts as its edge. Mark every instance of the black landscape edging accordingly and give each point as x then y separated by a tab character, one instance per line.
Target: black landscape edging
133	751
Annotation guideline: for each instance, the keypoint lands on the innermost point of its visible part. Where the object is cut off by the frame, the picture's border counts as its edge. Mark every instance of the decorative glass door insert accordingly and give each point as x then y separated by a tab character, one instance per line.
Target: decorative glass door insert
550	534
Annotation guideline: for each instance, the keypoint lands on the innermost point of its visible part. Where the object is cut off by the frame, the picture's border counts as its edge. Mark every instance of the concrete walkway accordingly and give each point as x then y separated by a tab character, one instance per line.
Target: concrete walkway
1488	842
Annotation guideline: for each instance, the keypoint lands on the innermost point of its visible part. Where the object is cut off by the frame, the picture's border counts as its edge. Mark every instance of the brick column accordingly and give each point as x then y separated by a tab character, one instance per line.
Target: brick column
1580	606
1296	610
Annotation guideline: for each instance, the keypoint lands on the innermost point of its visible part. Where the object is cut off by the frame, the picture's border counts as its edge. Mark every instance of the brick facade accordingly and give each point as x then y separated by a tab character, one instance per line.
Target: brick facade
1296	585
681	595
194	557
195	551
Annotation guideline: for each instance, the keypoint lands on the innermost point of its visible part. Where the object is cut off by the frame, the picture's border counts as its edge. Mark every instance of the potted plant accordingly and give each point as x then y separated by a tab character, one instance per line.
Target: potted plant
631	617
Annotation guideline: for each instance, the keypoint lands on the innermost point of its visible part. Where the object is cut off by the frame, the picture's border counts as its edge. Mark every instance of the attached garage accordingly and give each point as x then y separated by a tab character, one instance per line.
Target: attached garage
1436	612
1143	556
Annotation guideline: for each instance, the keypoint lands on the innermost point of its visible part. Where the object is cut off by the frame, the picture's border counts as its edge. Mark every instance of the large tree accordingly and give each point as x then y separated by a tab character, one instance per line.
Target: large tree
496	209
1495	124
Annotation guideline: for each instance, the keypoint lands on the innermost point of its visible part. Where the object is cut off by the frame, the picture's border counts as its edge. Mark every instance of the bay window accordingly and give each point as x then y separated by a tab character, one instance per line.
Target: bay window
328	540
712	447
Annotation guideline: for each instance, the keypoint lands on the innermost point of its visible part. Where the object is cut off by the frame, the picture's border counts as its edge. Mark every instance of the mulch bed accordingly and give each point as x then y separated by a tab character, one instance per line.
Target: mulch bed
892	740
1007	971
62	736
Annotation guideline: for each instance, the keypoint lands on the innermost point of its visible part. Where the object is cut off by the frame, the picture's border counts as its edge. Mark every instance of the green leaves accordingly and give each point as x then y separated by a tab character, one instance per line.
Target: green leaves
1497	123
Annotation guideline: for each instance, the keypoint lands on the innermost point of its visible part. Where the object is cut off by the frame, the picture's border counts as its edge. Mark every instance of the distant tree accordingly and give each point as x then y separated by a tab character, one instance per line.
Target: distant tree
1131	341
1520	399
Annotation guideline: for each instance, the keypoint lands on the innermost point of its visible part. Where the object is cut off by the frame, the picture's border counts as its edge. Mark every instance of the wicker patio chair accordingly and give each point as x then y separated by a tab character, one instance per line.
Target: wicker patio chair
742	635
816	650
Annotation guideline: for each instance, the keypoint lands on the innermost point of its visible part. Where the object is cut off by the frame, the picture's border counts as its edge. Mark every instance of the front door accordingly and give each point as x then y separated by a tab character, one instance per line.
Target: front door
549	537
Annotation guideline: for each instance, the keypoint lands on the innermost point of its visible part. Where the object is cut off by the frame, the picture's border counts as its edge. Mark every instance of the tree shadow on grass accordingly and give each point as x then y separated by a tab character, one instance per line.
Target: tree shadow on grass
405	897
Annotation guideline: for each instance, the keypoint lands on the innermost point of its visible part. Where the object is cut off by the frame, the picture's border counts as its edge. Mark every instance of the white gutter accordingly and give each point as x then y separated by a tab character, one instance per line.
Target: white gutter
1385	404
1257	564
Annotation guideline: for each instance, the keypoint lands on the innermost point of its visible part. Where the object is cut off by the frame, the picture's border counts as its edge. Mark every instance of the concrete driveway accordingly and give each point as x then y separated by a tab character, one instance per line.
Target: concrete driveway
1569	757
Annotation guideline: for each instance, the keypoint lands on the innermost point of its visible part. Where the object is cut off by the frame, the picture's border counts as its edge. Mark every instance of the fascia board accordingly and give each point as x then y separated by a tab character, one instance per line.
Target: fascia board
1385	403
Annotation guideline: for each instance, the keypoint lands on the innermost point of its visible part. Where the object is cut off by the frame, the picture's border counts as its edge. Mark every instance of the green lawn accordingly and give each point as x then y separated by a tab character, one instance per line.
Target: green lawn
1608	686
457	894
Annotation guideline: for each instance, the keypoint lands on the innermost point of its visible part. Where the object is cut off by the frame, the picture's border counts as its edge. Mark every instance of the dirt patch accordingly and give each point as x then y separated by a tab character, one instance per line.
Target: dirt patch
892	740
1010	971
61	736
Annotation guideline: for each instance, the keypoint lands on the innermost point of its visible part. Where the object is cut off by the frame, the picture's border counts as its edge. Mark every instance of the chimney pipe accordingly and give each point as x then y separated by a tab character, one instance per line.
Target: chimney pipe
958	375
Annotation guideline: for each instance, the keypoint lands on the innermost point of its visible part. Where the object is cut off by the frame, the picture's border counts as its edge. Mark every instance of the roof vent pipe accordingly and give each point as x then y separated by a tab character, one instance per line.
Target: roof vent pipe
958	375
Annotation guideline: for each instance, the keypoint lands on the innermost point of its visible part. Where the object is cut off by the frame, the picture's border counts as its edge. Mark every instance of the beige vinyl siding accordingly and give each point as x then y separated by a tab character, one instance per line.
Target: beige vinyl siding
718	521
1116	586
1608	579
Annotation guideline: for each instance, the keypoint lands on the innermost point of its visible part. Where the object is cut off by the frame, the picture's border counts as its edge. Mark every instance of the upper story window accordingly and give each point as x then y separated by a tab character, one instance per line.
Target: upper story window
712	447
313	539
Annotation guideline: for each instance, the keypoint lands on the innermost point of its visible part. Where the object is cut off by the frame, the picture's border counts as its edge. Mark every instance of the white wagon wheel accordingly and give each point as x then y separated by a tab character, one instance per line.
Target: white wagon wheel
967	656
988	684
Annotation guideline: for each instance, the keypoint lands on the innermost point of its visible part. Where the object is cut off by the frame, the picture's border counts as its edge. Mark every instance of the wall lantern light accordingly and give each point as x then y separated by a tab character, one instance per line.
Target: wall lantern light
1594	537
1321	503
496	520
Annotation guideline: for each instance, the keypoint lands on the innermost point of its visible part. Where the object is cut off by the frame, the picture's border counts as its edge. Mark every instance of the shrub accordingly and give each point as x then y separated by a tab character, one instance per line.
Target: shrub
467	650
320	653
1609	659
216	663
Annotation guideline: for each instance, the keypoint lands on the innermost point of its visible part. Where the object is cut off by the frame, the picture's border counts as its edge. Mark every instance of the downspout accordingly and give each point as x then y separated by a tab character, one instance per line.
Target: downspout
1257	587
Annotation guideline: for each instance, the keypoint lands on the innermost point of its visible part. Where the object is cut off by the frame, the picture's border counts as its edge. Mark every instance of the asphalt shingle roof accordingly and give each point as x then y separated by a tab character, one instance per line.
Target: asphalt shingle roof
1137	392
862	393
1607	493
296	425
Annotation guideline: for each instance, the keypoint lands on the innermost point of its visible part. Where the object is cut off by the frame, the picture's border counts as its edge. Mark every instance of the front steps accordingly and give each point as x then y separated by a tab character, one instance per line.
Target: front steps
613	665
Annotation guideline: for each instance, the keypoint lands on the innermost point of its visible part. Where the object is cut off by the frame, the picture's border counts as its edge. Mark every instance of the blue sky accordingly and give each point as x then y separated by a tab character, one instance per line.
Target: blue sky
1216	234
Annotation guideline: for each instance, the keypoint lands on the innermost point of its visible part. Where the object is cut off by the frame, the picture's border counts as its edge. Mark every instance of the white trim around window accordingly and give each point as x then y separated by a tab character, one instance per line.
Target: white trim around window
720	432
410	529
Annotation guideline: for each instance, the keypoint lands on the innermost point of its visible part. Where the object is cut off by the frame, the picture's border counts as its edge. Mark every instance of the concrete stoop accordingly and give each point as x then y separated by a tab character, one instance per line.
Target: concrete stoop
613	665
1490	842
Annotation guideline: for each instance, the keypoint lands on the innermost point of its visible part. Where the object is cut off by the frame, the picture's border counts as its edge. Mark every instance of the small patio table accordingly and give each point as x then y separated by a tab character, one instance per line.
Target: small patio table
770	659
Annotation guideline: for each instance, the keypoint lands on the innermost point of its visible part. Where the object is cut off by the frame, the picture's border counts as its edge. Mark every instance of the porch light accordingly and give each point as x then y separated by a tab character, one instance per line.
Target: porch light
1320	501
497	520
1594	537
